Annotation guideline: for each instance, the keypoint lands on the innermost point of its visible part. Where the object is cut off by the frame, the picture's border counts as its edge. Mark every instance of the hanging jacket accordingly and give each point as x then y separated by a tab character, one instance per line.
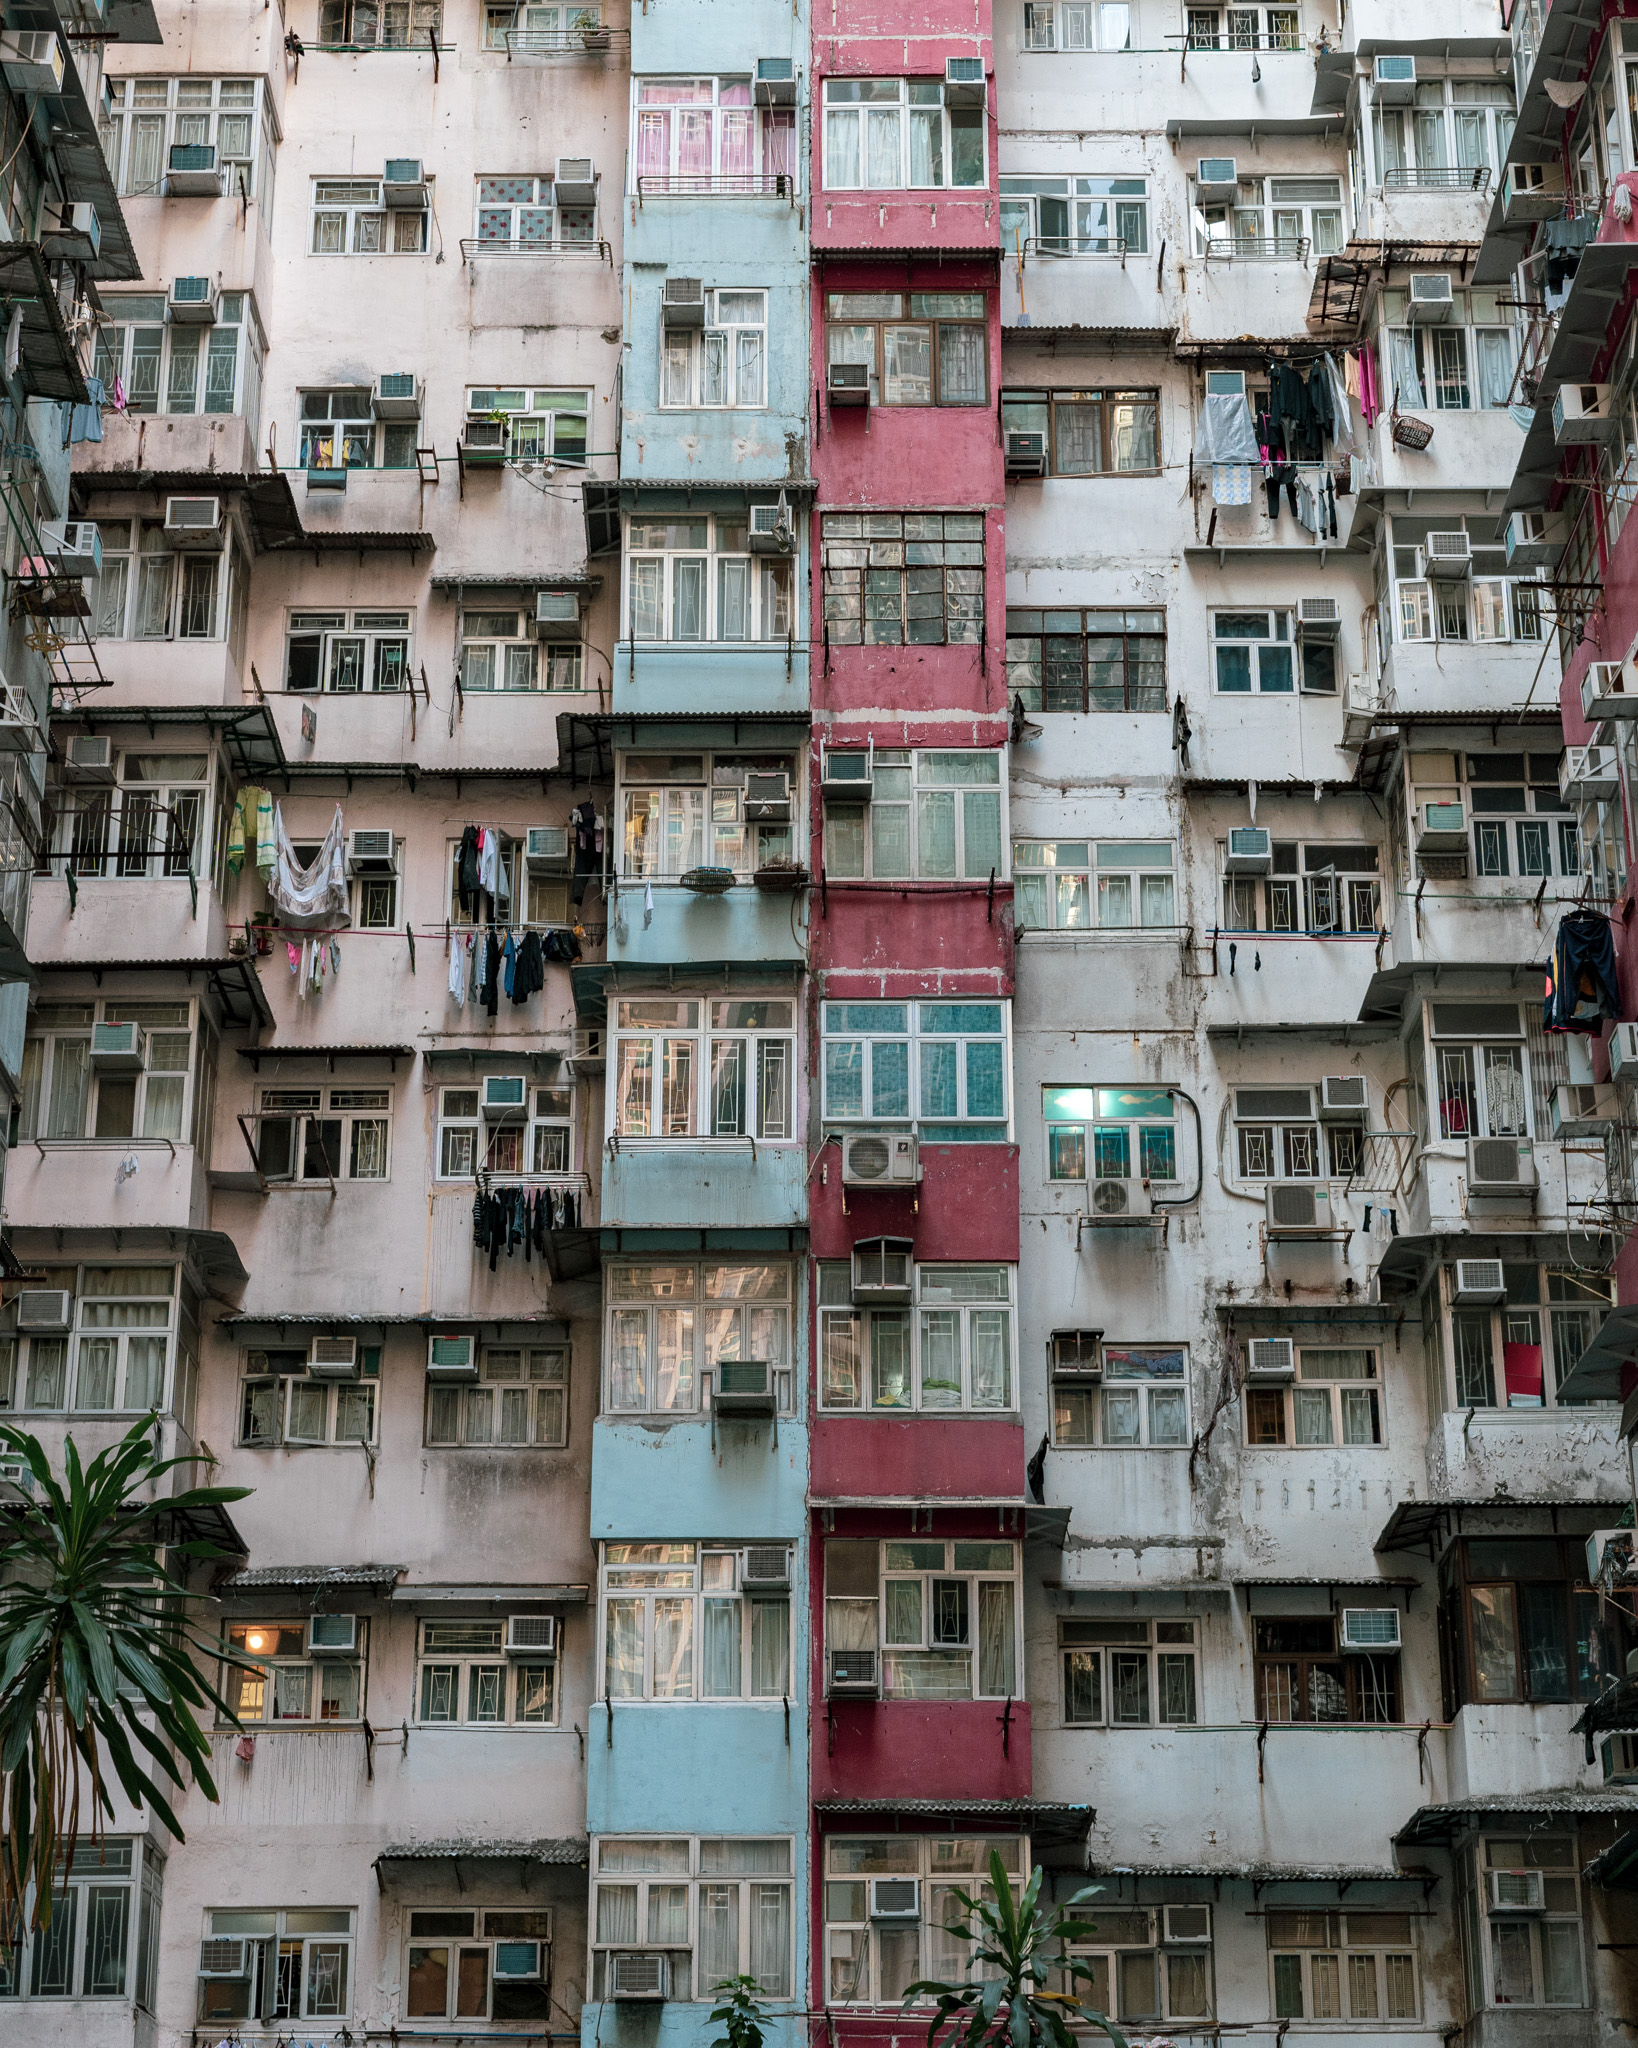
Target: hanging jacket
491	972
528	970
466	872
509	961
1581	989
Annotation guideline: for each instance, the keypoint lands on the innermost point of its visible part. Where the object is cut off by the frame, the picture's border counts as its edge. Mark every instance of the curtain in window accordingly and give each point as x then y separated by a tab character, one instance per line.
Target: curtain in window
997	1650
778	143
770	1918
154	596
617	1913
688	598
719	1933
653	143
1429	123
961	364
748	366
694	143
674	1362
668	1915
936	833
1470	137
47	1371
1313	1414
684	837
770	1649
884	170
625	1649
70	1085
1132	434
719	1653
673	1650
1494	349
737	132
144	1371
890	1360
1403	377
842	164
94	1382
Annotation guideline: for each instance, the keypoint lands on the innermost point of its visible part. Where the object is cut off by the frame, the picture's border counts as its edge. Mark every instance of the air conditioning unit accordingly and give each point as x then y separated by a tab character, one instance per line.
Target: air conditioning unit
576	181
504	1098
397	396
32	61
483	440
1431	299
332	479
1479	1280
1500	1166
1532	192
1114	1204
403	186
1623	1051
1343	1099
1271	1358
964	81
1588	775
1365	1629
1076	1354
333	1358
548	850
589	1054
1186	1924
844	775
73	547
118	1048
1516	1891
1448	556
1250	850
771	530
531	1635
1319	618
895	1898
872	1159
1394	81
193	172
193	301
1026	454
16	1482
1618	1755
883	1270
775	82
222	1957
682	302
1583	1109
517	1962
1581	415
195	525
848	384
1527	544
1298	1208
44	1308
852	1675
767	1568
642	1973
371	852
1225	383
90	757
1217	178
557	615
1609	689
743	1386
1441	827
767	797
452	1358
332	1635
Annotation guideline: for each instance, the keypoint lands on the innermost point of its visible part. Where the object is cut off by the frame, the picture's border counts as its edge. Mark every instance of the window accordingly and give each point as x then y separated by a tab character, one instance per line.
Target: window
945	1614
350	219
1110	1133
1301	1677
1056	881
142	118
870	1961
1466	362
1537	1344
465	1678
346	653
1244	28
1321	889
520	212
499	651
280	1405
1335	1401
1090	433
1074	216
380	24
1252	650
1334	1966
941	1066
680	1623
1277	1137
540	1144
1521	825
952	1351
534	27
1148	1963
300	1966
86	1951
479	1964
721	1907
64	1096
521	1403
1531	1629
338	431
704	135
1141	1403
117	1355
147	593
887	134
696	579
287	1683
934	816
182	368
684	811
1087	660
903	577
1456	132
1128	1674
696	1069
542	426
1524	1957
149	827
317	1134
1275	217
1479	1074
1488	605
725	362
921	348
669	1327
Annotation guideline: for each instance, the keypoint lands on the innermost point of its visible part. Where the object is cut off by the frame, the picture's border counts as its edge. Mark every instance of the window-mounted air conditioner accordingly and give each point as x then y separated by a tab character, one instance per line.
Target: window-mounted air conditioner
1609	689
848	384
775	82
682	302
1076	1354
1026	453
873	1159
557	615
483	440
403	185
1588	775
1618	1755
1528	546
44	1308
576	181
767	796
589	1052
1623	1051
1249	851
1368	1629
1271	1358
333	1358
517	1962
895	1898
371	852
193	301
90	757
332	1635
192	171
548	850
771	530
118	1048
73	547
451	1357
1479	1280
32	61
194	525
504	1098
639	1973
531	1635
1343	1099
1500	1166
852	1675
1441	827
1448	557
767	1568
1584	1109
1516	1891
1217	178
1186	1924
1581	415
1319	618
1431	298
224	1957
1225	383
844	775
1113	1204
1531	192
883	1270
1394	81
743	1386
71	230
1298	1208
964	81
397	396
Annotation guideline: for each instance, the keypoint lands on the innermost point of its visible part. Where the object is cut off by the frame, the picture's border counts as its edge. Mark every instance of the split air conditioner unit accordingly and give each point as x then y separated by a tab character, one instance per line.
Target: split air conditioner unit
767	1568
775	82
333	1358
895	1898
1431	299
73	547
1479	1281
371	852
332	1635
1584	1109
1319	618
547	850
1298	1208
682	302
1217	180
531	1635
397	396
44	1308
852	1675
118	1048
195	525
576	181
1394	81
743	1386
1609	689
1118	1204
1623	1052
1527	544
1250	850
1582	415
194	171
32	61
1271	1358
504	1098
557	615
1531	192
848	384
873	1159
1500	1166
403	185
1343	1099
452	1357
1588	775
1367	1629
1026	454
193	301
1448	557
643	1973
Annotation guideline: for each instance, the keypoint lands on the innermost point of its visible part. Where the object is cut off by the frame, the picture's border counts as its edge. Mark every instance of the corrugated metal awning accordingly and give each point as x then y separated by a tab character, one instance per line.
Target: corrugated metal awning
310	1577
1435	1826
500	1596
1046	1822
559	1852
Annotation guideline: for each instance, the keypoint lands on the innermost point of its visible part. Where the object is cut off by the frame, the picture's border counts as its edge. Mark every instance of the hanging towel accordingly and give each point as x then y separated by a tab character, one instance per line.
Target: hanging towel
488	861
310	895
85	421
1231	483
1342	412
236	833
648	905
1350	373
457	970
266	851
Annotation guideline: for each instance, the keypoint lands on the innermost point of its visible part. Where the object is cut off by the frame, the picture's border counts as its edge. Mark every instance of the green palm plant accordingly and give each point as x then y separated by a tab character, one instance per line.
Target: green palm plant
1018	1946
99	1656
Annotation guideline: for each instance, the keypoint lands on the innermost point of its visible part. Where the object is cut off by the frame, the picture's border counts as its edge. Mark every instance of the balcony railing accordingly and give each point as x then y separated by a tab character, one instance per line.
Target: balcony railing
1256	248
716	185
483	246
143	840
565	42
1060	248
1437	178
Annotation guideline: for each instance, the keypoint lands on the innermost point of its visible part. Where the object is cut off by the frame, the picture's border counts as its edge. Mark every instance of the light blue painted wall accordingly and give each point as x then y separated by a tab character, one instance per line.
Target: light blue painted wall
666	1185
744	924
699	678
662	1480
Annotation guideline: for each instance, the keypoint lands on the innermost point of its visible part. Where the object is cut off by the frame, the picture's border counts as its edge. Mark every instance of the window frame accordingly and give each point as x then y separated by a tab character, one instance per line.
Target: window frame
543	1112
688	1377
236	1684
694	1880
1248	28
1080	868
1147	1139
566	425
187	360
1276	1409
1482	1924
126	102
272	1106
1084	1414
1339	1948
1124	199
1364	1681
174	594
853	1325
878	1029
939	1864
674	1575
403	22
177	1334
343	416
1261	223
1280	638
1285	1137
770	586
741	390
1495	1326
930	1641
845	331
770	138
1304	895
470	1433
467	1662
1091	1644
1037	411
1581	1631
907	785
479	1940
353	201
567	226
124	1872
1138	632
906	107
384	642
270	1381
765	1095
290	1937
40	1075
856	558
554	667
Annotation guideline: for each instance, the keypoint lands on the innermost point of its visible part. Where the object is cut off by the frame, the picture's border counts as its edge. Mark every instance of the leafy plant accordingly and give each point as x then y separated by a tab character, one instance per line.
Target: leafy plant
97	1655
740	2014
1019	1947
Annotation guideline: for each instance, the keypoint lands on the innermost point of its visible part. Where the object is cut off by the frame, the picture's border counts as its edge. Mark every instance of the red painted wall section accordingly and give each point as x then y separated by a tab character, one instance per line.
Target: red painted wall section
919	1749
967	1207
953	941
954	1457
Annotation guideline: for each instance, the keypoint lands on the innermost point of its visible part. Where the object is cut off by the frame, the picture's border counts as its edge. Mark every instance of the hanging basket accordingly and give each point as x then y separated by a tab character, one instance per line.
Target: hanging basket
781	880
1411	433
709	881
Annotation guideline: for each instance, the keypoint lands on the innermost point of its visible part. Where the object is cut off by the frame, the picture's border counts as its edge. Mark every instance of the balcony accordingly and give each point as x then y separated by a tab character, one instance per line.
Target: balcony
719	185
757	1192
651	1476
1052	286
1485	1453
743	923
654	679
1439	1202
81	1183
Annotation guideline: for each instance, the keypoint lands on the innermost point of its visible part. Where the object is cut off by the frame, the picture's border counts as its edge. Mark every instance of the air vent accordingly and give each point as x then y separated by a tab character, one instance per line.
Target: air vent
504	1098
576	181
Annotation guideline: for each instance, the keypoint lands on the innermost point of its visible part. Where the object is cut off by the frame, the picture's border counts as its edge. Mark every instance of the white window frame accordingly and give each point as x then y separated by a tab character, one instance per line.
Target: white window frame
1105	1956
1496	123
545	422
895	836
691	1576
1246	28
188	362
155	105
351	1107
275	1933
248	1638
545	897
1132	872
499	201
915	1025
360	652
122	1875
394	24
521	661
711	549
282	1408
910	1560
1312	1390
1477	1046
493	1927
1088	216
704	1024
1071	27
528	20
1338	1948
1544	1322
1409	366
678	1318
351	215
1278	635
1489	1853
336	429
1264	221
40	1074
872	1962
688	382
915	100
1155	1643
1118	1411
694	807
938	1290
549	1109
1303	900
470	1417
675	1862
1288	1136
761	126
503	1678
1063	1111
158	602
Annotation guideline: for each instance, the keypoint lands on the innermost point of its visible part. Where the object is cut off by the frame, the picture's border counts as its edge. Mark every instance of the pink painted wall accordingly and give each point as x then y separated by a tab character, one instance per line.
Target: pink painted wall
937	1457
919	1749
965	1208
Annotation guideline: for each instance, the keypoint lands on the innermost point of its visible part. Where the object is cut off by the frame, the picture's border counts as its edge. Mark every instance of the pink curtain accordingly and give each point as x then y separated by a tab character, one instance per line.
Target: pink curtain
694	142
779	142
653	143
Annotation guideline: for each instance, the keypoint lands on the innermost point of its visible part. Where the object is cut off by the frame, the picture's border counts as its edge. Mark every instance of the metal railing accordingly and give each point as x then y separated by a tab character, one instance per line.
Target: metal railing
1253	248
594	41
716	185
140	840
1537	346
1438	178
1062	247
481	245
1287	40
